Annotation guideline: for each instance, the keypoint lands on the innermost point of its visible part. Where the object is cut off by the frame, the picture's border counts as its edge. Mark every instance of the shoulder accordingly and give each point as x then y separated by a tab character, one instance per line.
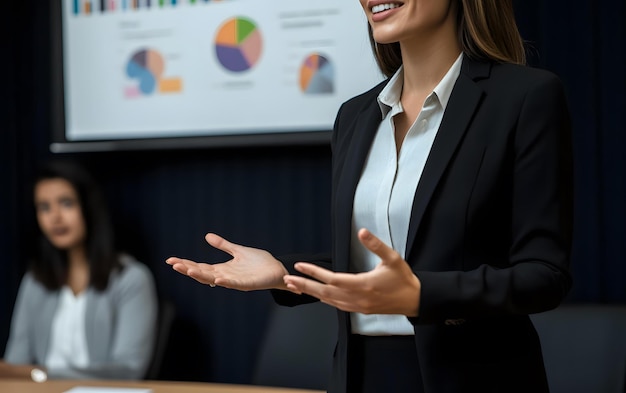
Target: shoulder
363	100
520	79
351	110
29	280
525	72
132	273
129	285
29	286
32	295
507	88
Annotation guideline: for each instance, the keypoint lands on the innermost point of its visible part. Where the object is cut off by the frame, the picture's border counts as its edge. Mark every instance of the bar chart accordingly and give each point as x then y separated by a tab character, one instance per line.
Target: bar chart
89	7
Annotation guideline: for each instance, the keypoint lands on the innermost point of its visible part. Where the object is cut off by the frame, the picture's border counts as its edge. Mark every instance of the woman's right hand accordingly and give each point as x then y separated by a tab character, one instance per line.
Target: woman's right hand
250	268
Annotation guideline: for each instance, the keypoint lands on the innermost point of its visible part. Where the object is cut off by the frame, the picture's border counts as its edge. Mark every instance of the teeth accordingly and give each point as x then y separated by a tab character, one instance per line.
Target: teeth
384	7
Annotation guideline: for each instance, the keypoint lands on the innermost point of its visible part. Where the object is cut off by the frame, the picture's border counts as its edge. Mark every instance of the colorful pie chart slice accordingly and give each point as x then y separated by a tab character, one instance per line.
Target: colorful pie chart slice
238	44
317	75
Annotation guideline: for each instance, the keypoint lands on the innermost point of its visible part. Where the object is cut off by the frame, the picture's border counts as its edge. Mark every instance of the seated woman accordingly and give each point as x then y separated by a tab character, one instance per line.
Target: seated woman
83	310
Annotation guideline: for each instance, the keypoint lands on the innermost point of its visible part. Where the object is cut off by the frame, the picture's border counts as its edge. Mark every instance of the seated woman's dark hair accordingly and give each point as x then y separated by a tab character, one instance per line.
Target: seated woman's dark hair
50	264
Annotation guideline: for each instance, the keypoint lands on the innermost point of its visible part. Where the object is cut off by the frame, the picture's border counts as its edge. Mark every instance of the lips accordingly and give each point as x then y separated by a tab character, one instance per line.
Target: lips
59	231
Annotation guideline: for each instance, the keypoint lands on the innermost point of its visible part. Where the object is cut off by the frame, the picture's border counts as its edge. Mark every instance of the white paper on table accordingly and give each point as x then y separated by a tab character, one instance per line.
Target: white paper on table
92	389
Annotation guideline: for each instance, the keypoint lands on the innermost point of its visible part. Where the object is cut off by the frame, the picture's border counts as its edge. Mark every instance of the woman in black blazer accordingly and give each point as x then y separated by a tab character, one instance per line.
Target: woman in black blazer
459	166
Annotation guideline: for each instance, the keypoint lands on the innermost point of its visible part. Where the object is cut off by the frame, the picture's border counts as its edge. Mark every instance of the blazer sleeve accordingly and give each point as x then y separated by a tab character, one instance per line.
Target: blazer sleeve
536	276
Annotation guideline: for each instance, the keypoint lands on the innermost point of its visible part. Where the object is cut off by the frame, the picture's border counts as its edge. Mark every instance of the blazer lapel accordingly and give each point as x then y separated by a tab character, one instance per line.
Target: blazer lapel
43	333
361	139
463	102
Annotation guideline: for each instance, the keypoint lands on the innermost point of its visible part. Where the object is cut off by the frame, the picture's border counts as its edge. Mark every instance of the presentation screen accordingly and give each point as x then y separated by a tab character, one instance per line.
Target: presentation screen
168	73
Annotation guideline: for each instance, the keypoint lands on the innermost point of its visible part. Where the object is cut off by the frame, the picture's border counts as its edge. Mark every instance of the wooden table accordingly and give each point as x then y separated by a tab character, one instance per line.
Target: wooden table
60	386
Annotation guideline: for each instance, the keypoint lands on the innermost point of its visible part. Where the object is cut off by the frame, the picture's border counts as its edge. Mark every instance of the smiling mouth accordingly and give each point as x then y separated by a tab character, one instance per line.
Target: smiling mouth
384	7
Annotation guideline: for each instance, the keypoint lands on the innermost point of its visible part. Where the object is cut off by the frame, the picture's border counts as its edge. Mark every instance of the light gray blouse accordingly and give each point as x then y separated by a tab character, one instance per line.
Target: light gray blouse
384	194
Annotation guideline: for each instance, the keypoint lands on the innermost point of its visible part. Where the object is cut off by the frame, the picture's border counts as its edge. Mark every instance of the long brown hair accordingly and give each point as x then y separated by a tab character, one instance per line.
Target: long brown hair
50	264
486	31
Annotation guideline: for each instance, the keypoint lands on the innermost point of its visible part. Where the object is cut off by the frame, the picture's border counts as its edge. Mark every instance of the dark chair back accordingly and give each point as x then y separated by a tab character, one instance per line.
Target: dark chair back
298	347
584	347
165	319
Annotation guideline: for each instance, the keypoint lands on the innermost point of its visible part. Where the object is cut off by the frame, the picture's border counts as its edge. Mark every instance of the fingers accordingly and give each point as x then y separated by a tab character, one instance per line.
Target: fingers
339	296
181	268
377	246
318	273
202	277
302	285
322	281
199	272
181	265
176	260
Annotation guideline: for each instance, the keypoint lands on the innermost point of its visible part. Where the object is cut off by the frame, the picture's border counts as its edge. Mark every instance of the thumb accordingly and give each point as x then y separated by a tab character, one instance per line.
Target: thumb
377	246
220	243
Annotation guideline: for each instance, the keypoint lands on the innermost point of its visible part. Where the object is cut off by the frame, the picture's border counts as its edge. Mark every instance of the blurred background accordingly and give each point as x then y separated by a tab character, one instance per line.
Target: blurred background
277	197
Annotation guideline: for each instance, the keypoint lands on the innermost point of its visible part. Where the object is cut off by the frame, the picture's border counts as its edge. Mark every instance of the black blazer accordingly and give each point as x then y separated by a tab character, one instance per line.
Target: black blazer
490	230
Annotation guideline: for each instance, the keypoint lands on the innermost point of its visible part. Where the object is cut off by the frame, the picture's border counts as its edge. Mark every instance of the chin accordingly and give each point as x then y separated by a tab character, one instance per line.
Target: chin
383	38
63	245
382	42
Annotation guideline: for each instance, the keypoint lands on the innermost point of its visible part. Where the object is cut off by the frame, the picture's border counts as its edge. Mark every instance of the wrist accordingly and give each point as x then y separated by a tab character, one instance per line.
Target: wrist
280	284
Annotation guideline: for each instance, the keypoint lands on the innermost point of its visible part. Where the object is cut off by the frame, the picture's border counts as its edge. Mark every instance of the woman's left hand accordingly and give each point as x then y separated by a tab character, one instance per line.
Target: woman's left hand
391	288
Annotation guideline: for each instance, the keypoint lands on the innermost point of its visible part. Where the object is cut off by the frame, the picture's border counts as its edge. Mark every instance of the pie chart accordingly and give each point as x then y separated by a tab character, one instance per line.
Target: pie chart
238	44
146	66
317	75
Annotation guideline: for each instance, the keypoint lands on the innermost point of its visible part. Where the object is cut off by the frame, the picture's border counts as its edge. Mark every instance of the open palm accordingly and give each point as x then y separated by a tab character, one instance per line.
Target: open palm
249	269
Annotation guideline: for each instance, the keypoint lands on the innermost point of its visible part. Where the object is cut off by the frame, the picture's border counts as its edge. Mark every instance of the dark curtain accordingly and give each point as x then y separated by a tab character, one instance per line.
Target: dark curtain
584	42
23	117
163	202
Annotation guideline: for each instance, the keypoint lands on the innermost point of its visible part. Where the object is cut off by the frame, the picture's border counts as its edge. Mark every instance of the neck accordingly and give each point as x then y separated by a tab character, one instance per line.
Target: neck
427	58
78	274
77	257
